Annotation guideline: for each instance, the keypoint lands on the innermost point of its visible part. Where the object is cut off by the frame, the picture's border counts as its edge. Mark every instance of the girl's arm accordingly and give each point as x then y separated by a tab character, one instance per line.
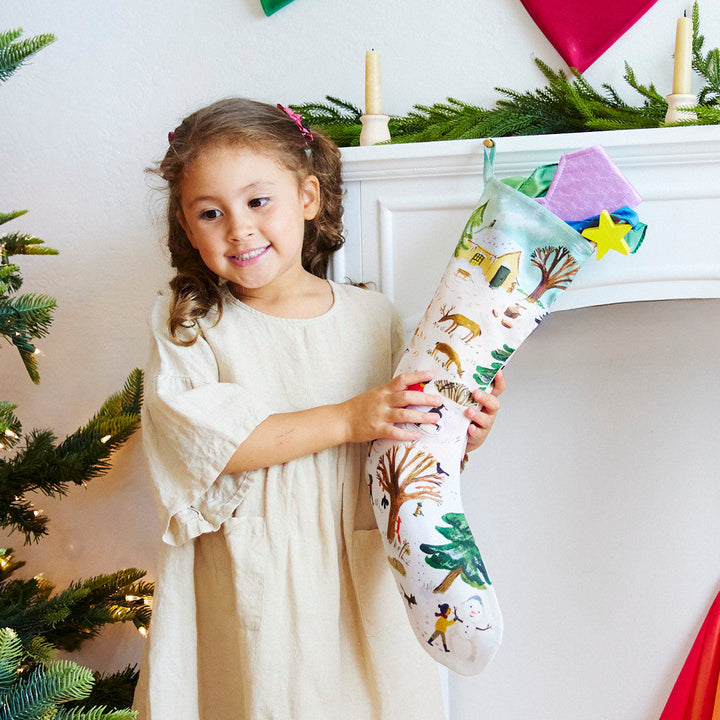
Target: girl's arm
370	415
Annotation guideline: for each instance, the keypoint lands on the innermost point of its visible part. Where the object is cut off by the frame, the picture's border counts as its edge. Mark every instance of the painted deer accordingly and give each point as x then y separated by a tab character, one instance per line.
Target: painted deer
452	357
457	320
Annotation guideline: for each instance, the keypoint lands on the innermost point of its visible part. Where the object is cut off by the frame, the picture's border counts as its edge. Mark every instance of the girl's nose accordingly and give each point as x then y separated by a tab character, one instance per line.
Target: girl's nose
241	227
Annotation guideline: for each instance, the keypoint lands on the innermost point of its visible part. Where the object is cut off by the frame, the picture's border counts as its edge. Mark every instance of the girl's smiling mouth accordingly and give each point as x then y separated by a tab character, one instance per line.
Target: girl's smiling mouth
248	257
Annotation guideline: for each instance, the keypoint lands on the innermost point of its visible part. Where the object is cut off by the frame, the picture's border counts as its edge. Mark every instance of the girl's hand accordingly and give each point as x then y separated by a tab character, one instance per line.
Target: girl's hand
483	418
374	414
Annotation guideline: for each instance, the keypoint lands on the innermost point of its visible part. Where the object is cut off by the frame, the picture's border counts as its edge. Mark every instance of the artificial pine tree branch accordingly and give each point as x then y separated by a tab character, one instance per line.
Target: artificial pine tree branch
98	713
113	691
36	691
10	426
23	244
15	52
23	318
7	217
41	465
78	613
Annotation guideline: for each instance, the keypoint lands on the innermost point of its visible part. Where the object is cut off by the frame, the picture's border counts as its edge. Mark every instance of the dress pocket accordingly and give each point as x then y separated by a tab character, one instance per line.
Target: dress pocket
246	543
381	606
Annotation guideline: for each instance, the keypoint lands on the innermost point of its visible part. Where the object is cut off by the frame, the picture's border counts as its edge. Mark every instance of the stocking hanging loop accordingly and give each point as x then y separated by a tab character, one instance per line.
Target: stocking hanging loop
489	159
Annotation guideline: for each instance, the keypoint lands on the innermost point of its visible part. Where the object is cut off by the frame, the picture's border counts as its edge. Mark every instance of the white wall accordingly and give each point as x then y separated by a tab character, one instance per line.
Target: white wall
93	110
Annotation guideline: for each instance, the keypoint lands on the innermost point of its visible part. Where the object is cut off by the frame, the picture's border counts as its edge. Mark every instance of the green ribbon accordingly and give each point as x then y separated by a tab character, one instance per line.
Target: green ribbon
537	184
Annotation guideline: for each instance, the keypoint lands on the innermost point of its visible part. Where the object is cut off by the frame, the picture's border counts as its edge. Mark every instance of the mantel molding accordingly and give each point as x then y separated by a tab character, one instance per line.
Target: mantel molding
697	145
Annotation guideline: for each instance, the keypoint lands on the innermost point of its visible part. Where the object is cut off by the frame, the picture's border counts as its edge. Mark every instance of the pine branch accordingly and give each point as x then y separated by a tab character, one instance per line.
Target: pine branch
26	317
78	613
10	426
35	692
338	119
15	52
24	244
42	466
707	66
96	713
29	315
10	279
7	217
113	691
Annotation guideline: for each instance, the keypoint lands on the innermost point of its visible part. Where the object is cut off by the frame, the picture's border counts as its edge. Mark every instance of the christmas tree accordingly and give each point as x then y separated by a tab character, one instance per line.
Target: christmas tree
36	621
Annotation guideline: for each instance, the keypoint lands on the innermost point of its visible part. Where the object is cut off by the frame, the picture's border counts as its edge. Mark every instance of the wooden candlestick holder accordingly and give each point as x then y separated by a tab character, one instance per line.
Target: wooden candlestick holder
374	129
679	100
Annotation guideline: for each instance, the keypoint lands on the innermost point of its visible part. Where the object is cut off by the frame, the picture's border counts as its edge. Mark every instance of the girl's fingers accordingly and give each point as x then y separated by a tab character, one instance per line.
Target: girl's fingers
405	415
488	401
499	384
408	379
481	419
418	399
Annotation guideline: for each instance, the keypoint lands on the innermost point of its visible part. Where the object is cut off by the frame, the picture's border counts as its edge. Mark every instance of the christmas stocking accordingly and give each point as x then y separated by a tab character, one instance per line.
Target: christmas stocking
515	256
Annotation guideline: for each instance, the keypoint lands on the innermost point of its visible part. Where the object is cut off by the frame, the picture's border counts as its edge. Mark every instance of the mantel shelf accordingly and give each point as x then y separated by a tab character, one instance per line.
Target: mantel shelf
676	170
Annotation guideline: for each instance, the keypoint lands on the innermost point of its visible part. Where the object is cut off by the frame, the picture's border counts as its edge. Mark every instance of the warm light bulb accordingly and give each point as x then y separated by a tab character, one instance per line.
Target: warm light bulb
143	631
105	439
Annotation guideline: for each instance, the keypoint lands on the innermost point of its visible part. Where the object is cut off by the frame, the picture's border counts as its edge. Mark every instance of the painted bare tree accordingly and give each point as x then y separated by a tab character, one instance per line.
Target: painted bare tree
557	267
397	475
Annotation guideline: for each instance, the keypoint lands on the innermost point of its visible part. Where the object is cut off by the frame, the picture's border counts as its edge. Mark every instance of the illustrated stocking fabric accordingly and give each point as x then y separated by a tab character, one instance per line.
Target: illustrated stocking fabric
514	258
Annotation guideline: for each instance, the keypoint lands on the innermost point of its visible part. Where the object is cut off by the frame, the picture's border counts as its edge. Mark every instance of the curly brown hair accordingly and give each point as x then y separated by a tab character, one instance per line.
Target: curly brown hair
263	128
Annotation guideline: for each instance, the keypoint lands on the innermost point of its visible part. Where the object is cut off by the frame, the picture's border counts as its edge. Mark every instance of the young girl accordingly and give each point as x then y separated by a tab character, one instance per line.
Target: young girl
265	383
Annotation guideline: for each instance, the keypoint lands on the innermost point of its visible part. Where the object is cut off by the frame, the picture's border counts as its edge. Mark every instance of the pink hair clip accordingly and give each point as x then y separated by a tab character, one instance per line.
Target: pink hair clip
297	119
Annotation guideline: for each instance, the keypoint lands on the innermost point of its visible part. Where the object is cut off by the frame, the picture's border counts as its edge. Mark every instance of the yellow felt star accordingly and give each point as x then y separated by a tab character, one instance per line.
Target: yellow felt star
608	235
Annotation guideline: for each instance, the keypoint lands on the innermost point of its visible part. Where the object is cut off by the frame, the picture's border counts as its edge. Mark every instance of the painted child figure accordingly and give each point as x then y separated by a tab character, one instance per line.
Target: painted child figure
265	383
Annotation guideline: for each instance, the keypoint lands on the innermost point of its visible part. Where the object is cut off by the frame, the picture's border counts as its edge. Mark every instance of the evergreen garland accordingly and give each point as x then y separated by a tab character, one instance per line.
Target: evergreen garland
564	104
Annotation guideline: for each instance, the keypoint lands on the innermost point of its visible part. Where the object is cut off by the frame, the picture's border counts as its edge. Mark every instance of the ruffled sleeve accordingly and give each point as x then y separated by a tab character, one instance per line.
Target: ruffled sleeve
192	425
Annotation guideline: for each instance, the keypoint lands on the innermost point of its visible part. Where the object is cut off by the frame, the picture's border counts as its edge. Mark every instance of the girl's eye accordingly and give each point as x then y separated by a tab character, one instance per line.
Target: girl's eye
210	214
258	202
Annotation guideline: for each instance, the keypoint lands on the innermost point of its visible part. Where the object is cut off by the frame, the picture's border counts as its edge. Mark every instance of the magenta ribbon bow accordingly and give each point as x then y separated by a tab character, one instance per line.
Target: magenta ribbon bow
297	119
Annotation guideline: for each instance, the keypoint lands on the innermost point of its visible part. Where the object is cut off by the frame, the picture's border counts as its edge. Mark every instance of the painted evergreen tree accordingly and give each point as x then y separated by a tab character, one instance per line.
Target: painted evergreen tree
460	556
37	621
484	375
474	222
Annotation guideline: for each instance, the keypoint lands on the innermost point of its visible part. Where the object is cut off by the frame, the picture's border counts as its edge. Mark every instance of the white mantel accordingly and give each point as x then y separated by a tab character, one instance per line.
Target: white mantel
676	170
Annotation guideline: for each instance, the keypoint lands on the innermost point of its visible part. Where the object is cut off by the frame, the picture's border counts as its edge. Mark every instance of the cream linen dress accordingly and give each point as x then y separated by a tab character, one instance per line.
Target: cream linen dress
274	599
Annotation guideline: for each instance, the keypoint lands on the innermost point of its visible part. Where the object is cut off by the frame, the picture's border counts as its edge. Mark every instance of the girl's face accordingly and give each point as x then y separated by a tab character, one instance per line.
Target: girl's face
245	214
